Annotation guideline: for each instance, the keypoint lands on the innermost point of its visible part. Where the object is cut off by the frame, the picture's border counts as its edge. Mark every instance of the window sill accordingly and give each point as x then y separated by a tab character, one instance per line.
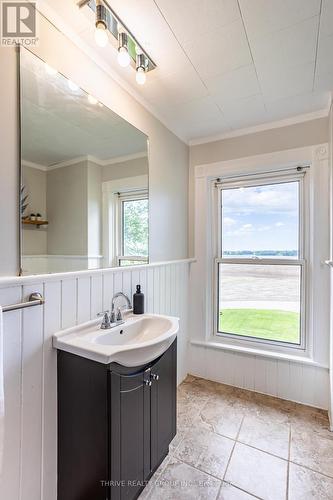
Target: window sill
258	352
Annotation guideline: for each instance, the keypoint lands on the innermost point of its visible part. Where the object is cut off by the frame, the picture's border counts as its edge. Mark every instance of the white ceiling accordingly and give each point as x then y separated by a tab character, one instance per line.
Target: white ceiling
59	124
224	65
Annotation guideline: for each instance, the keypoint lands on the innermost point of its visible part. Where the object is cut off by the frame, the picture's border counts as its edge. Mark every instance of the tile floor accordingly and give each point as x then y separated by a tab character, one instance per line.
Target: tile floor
234	444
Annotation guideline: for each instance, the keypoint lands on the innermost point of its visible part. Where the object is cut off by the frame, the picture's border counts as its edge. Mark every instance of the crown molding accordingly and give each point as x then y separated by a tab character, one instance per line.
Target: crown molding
323	113
31	164
90	158
121	159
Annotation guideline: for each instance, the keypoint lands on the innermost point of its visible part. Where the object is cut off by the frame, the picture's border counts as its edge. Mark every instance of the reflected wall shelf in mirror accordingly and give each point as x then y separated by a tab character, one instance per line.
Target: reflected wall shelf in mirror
34	223
87	169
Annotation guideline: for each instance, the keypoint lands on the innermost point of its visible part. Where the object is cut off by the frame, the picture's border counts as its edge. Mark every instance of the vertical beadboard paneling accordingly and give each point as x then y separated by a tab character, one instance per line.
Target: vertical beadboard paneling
12	345
247	369
271	376
143	278
32	385
135	280
157	290
294	381
52	324
107	291
127	283
96	295
83	300
150	290
260	374
68	302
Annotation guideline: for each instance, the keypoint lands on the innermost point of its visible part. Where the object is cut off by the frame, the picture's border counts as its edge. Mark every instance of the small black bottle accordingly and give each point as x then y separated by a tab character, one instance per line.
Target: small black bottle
138	301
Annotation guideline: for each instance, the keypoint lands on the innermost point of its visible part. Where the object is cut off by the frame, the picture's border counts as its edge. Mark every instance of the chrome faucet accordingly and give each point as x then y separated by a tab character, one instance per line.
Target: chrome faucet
118	318
114	319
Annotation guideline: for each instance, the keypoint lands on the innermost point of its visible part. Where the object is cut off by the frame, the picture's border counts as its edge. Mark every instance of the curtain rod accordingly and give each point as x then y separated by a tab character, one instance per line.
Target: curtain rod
219	180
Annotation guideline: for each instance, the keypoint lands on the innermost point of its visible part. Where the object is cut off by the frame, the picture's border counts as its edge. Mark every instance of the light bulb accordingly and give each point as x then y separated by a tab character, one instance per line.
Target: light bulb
101	36
50	70
140	76
72	86
92	99
124	58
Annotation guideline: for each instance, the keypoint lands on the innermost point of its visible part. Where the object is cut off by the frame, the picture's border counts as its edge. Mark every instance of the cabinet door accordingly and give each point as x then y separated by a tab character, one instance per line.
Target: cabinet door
130	433
163	404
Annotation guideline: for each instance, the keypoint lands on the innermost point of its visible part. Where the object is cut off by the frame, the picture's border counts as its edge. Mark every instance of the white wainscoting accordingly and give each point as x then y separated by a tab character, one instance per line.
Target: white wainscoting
305	382
294	381
30	459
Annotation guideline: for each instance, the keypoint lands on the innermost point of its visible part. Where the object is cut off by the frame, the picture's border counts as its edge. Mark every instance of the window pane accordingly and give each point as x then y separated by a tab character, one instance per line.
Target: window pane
126	262
135	228
261	221
261	301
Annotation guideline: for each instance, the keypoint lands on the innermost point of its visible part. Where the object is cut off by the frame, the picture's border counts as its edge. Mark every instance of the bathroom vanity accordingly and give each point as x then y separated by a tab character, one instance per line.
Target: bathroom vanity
115	422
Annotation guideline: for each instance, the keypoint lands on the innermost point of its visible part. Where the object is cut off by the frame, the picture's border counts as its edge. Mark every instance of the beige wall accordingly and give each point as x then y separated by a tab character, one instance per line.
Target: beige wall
67	210
94	209
168	156
129	168
277	139
34	241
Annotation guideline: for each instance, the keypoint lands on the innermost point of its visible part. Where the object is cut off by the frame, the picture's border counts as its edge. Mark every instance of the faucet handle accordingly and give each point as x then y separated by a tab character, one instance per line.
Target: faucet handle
106	319
119	315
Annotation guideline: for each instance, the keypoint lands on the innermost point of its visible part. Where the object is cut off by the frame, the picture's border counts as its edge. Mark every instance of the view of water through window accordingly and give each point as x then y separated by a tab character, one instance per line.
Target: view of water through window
256	298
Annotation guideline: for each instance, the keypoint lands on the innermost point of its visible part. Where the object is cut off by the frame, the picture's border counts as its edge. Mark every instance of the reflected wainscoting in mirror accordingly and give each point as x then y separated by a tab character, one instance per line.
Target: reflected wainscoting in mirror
84	178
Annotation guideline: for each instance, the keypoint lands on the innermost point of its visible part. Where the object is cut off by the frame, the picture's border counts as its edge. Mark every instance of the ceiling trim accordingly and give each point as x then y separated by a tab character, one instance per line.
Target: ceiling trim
121	159
50	14
31	164
78	159
323	113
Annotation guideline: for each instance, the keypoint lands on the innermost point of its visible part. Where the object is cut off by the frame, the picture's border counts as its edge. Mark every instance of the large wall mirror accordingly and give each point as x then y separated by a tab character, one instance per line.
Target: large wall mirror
84	176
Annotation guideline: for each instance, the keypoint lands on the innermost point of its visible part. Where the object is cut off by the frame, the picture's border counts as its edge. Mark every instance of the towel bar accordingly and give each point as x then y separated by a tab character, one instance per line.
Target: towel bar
35	299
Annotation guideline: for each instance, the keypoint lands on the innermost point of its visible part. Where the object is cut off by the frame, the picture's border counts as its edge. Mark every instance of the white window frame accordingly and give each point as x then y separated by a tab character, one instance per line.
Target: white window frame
137	194
111	191
257	179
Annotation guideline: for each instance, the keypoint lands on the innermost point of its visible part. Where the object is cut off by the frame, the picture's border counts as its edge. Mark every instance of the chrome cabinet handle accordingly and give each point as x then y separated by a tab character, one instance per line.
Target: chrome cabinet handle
148	382
154	376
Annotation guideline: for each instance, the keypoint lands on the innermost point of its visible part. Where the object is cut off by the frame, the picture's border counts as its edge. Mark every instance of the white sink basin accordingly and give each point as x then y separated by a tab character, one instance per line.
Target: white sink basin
137	341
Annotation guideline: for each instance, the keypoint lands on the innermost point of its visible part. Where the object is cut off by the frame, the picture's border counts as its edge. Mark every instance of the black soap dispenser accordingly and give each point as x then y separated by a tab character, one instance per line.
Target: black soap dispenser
138	301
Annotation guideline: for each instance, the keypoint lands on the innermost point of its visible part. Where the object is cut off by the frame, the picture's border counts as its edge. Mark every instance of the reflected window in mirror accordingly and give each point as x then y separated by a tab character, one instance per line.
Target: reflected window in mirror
133	224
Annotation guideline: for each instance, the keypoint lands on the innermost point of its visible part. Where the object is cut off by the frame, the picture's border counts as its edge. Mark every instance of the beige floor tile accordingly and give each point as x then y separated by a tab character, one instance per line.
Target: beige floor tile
222	417
311	419
270	436
180	481
229	492
205	450
308	485
312	450
258	473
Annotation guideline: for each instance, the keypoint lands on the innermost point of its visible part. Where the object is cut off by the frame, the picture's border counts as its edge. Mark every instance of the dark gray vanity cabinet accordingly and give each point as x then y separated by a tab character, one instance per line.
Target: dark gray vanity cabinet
115	425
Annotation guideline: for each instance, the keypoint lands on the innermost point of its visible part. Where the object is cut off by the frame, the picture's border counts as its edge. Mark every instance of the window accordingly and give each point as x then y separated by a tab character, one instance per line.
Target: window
260	269
133	228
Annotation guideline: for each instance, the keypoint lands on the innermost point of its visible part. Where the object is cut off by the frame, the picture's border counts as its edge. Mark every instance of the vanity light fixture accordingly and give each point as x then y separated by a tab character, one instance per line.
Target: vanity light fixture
92	99
101	34
49	70
140	69
124	58
110	28
73	86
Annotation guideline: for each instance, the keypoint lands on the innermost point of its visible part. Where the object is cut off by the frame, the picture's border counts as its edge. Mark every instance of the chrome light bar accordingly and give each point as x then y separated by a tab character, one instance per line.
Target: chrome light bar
115	26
